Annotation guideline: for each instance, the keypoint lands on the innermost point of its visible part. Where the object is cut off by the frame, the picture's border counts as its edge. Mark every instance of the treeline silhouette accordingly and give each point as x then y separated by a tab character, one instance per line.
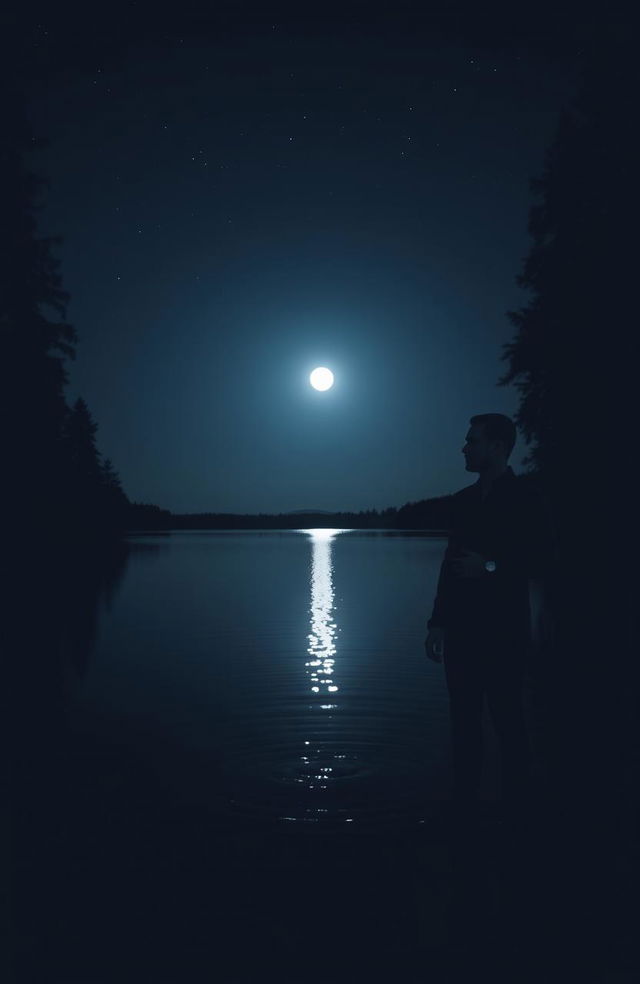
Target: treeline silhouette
432	515
425	514
429	514
573	359
58	485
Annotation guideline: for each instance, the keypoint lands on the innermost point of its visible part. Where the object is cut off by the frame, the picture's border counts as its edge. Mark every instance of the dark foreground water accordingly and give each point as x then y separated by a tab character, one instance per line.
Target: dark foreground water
232	757
290	664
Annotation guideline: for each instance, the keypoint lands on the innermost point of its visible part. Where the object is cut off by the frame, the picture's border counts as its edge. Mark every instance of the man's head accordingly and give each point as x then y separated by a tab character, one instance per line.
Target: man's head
489	441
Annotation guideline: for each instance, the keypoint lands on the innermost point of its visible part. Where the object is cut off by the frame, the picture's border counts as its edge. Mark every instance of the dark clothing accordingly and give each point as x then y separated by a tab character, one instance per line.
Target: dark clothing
508	527
473	671
486	624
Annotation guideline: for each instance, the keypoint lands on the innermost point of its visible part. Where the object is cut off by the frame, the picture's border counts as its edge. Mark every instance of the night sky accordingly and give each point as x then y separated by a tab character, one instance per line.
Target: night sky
248	195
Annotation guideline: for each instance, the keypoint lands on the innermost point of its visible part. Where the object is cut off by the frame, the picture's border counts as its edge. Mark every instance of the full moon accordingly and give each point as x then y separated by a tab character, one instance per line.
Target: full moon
321	378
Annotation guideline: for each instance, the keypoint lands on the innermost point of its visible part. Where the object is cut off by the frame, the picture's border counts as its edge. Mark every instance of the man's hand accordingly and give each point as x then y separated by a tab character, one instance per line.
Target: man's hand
434	644
466	563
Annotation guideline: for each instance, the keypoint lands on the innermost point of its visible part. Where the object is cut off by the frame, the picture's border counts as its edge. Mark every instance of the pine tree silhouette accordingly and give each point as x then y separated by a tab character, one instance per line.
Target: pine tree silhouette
34	333
115	502
572	354
56	483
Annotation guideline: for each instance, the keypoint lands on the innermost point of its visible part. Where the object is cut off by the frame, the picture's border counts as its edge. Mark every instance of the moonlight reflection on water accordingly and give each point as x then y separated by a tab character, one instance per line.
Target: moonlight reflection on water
322	649
322	638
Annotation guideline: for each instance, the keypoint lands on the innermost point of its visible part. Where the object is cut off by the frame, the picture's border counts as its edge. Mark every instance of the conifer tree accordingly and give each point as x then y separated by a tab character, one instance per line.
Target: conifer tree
82	451
573	358
35	336
55	480
115	502
572	355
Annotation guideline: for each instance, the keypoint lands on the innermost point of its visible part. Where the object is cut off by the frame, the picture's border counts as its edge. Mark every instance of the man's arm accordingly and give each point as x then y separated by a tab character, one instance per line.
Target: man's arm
439	615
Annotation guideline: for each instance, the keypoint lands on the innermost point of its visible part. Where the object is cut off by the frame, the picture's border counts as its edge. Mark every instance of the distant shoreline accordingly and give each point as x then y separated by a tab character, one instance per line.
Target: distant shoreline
289	529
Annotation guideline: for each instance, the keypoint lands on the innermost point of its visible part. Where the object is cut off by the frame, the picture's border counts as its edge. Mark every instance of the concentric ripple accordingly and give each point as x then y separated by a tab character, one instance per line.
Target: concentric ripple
342	754
275	683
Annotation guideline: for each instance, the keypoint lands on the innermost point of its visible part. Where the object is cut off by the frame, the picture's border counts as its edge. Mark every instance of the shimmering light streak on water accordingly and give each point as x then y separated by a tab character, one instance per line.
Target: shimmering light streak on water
322	642
322	637
210	655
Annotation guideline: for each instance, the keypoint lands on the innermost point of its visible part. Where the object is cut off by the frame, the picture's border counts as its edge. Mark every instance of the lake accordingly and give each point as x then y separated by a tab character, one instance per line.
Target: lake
292	661
232	761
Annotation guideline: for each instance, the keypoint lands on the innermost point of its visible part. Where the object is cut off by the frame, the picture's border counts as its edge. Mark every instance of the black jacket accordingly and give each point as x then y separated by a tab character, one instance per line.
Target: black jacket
510	526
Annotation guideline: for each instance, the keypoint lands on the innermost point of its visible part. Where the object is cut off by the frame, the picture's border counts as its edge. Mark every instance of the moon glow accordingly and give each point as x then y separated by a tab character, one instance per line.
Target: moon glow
321	378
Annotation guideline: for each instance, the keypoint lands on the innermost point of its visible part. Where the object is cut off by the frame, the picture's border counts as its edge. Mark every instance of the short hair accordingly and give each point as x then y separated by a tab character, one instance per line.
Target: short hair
498	427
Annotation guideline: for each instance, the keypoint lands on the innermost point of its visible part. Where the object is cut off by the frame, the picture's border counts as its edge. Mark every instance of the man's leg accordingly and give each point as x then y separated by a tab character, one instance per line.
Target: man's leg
505	700
465	710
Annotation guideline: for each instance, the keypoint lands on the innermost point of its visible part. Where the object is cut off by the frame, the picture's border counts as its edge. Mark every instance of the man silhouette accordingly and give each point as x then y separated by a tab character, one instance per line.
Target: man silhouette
480	624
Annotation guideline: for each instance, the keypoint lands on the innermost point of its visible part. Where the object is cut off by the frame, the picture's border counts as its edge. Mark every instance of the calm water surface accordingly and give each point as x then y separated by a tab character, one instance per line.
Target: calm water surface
230	752
287	667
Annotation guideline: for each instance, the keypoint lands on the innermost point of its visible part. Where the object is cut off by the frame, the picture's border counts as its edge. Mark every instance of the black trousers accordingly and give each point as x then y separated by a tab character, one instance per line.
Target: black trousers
474	669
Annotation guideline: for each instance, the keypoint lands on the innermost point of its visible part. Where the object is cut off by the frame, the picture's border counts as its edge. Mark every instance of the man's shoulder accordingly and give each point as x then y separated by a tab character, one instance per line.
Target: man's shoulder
463	493
522	487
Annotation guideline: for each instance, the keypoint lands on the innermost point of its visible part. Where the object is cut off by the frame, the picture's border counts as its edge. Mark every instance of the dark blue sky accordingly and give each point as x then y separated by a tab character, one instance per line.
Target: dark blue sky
242	202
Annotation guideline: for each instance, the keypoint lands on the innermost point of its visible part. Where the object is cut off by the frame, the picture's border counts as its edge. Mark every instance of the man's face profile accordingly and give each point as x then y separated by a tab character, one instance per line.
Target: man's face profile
478	451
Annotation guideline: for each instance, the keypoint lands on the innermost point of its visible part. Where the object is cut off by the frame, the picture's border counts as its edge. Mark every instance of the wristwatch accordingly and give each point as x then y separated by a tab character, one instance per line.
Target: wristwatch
490	565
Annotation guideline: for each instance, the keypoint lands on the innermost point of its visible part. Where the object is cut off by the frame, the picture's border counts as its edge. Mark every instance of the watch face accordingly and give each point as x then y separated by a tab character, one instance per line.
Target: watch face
490	565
